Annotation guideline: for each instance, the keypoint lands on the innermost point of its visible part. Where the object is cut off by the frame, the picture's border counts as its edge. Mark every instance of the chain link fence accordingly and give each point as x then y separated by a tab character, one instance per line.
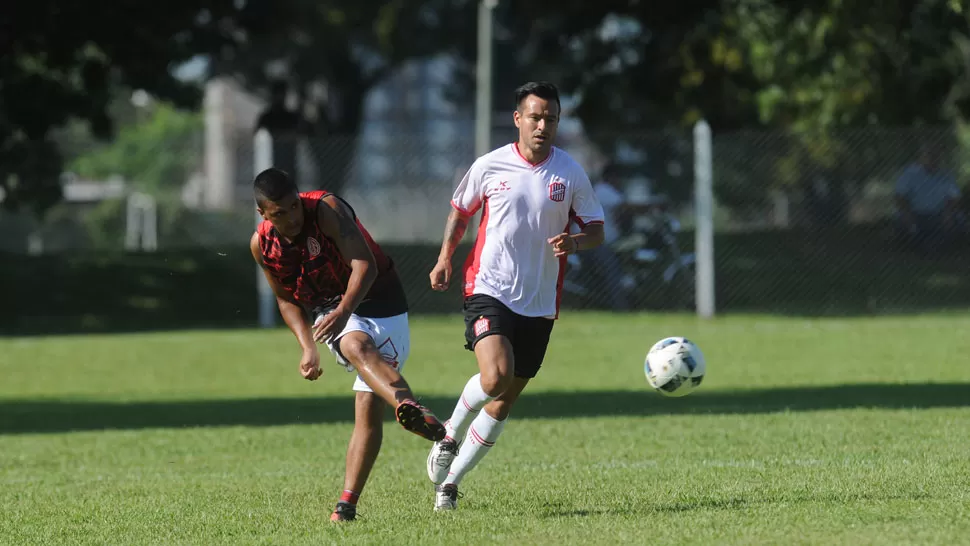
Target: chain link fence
804	225
811	224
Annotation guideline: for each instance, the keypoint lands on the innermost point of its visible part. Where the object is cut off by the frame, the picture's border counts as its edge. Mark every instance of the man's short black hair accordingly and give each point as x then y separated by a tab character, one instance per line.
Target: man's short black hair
543	90
273	185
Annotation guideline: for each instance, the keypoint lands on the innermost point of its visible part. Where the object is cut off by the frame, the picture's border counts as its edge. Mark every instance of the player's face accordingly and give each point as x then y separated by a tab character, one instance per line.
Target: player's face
286	215
538	121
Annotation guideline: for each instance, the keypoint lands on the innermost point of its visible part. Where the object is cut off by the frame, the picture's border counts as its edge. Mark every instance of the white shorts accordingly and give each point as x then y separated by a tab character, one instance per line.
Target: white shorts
392	335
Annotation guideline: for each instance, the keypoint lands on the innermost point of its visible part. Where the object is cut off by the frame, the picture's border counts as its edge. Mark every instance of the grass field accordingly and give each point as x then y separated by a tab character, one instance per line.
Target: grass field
824	431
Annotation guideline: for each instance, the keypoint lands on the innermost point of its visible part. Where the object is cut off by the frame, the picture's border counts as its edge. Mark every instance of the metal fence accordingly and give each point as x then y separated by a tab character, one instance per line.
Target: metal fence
803	225
809	224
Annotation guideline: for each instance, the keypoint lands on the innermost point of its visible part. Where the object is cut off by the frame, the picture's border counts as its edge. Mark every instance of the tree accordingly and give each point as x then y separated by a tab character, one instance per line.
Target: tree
800	67
156	155
744	63
627	64
62	61
334	53
823	70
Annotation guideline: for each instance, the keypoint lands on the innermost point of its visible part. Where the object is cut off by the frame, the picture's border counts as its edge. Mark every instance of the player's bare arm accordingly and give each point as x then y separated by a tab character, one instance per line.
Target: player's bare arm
294	317
455	228
591	236
337	221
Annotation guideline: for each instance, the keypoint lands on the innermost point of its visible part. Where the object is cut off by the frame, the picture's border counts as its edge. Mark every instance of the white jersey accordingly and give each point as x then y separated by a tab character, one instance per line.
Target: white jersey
524	206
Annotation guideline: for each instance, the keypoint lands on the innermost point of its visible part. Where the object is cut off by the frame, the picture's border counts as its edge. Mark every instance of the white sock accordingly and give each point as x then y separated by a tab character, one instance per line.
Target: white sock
471	402
481	437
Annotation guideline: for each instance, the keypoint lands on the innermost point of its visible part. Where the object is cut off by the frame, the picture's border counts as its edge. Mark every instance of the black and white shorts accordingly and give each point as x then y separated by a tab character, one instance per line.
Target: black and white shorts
529	336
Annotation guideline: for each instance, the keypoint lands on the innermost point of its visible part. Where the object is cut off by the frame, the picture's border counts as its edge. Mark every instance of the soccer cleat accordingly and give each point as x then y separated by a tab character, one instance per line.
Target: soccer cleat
418	419
445	497
344	512
442	454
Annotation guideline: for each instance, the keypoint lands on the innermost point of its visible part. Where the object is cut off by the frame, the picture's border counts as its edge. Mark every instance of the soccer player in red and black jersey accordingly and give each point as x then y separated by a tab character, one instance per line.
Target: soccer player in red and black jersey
335	285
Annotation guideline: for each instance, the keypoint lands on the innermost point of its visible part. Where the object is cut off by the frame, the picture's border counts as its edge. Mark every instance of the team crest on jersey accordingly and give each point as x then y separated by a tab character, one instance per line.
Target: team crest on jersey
557	190
482	325
313	246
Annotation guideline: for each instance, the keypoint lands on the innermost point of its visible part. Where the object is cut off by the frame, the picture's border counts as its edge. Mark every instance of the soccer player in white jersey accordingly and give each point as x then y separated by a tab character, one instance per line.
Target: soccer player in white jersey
529	192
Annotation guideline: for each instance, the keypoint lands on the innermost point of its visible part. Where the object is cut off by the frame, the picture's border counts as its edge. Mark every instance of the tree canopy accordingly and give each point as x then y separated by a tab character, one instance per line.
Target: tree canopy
805	66
63	61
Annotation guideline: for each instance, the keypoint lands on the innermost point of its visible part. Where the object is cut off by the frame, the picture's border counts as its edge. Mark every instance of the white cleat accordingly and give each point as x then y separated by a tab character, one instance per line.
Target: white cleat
442	454
445	497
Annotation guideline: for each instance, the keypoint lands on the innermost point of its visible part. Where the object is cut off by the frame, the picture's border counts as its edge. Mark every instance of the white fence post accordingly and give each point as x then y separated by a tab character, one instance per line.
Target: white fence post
483	88
262	160
704	211
141	227
35	243
483	84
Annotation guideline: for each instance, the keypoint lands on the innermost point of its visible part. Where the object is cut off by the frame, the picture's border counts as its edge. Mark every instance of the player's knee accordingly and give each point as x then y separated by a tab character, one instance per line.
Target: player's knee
496	380
496	364
357	349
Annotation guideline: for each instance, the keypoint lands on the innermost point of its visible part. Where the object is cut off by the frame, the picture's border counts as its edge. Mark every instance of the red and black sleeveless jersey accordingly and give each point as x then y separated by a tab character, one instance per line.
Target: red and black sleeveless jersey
311	268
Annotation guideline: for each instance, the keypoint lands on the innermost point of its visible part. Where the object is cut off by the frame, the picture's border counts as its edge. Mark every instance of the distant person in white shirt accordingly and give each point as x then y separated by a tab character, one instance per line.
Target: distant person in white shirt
529	192
606	267
927	198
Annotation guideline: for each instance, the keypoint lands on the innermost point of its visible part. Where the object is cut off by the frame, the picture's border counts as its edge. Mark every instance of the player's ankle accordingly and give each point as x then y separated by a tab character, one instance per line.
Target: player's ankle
350	497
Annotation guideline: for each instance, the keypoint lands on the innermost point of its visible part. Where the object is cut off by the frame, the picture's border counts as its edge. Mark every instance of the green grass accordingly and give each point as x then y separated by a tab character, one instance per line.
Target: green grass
822	431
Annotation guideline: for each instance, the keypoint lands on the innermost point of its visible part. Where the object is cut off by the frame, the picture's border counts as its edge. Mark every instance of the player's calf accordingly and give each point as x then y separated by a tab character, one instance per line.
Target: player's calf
359	349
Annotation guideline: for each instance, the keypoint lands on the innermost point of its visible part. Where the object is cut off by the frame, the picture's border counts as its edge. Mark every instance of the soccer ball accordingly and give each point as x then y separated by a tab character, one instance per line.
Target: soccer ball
674	366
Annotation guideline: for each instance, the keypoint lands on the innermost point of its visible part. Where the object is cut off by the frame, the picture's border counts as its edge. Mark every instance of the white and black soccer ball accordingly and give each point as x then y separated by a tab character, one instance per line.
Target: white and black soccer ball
674	366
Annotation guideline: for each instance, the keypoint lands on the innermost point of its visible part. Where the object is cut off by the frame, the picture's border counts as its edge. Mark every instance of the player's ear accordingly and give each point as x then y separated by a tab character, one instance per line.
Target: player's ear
516	117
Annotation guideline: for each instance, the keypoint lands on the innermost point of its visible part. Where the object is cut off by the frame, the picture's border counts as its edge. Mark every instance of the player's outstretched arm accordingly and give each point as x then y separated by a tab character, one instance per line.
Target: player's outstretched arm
455	228
293	316
337	221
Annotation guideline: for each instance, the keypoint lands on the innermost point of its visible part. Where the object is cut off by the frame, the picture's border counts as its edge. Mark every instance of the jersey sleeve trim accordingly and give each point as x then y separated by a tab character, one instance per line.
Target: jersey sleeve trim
581	223
464	211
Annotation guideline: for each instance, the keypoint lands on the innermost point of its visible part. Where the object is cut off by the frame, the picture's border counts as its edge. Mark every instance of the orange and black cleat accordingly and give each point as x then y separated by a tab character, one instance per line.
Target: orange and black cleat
344	512
419	420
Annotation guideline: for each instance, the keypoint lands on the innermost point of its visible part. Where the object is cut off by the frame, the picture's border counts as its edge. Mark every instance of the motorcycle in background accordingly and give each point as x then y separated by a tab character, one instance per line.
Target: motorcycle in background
656	273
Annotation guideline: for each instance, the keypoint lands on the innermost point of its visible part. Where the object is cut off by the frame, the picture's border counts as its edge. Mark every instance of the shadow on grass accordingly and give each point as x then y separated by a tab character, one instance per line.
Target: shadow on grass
47	416
730	503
